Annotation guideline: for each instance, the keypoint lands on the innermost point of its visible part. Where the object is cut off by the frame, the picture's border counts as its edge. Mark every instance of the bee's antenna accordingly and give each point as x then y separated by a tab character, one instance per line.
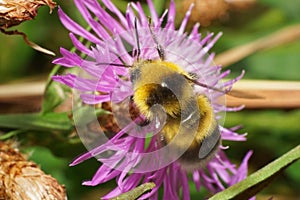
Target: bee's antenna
123	62
138	53
234	93
159	48
206	86
113	64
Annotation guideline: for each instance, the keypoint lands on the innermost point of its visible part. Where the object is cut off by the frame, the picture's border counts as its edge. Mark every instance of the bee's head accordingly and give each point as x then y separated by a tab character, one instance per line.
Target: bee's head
155	83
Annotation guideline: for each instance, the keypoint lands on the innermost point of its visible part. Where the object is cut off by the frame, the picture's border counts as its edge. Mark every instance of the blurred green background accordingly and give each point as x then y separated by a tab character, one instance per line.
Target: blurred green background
271	132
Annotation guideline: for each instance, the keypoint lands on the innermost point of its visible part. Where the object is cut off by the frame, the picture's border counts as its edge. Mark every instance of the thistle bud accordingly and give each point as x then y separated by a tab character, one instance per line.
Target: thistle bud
21	179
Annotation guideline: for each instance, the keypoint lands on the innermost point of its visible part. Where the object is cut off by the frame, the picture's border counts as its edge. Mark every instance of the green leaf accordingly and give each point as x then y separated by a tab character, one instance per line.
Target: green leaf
260	179
55	94
11	134
136	192
37	121
148	139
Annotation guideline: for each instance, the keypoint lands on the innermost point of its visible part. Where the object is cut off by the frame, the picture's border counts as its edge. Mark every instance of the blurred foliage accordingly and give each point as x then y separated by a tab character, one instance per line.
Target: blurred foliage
265	18
249	187
270	132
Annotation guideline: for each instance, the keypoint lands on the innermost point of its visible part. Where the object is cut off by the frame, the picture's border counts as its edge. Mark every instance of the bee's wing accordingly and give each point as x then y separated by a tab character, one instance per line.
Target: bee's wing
209	143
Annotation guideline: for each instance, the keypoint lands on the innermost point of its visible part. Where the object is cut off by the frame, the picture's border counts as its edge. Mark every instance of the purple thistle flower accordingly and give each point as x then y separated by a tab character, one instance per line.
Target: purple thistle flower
129	157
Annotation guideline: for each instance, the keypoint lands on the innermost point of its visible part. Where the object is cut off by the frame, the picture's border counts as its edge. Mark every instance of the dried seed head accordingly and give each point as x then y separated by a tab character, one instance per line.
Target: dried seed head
14	12
23	180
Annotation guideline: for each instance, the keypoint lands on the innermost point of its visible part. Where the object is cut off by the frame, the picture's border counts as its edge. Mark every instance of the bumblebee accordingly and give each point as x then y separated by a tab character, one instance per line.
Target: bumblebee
190	128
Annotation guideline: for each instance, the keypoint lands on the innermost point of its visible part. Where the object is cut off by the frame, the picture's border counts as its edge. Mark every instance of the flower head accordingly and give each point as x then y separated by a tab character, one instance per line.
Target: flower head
122	47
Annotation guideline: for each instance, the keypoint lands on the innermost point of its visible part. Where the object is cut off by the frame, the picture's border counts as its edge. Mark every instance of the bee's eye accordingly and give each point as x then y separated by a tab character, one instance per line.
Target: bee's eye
135	74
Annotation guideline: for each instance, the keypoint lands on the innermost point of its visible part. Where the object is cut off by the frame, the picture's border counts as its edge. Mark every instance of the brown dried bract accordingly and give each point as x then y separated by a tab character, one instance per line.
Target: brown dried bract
13	12
23	180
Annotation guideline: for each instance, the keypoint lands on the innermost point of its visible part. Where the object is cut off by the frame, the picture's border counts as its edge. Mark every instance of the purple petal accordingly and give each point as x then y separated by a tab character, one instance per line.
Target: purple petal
185	19
116	11
232	81
195	35
106	19
103	174
69	59
99	30
142	16
185	186
231	136
161	19
242	170
171	16
76	28
196	179
81	47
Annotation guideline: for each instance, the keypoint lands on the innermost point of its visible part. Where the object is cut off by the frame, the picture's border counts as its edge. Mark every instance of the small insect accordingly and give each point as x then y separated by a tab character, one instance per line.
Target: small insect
190	125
